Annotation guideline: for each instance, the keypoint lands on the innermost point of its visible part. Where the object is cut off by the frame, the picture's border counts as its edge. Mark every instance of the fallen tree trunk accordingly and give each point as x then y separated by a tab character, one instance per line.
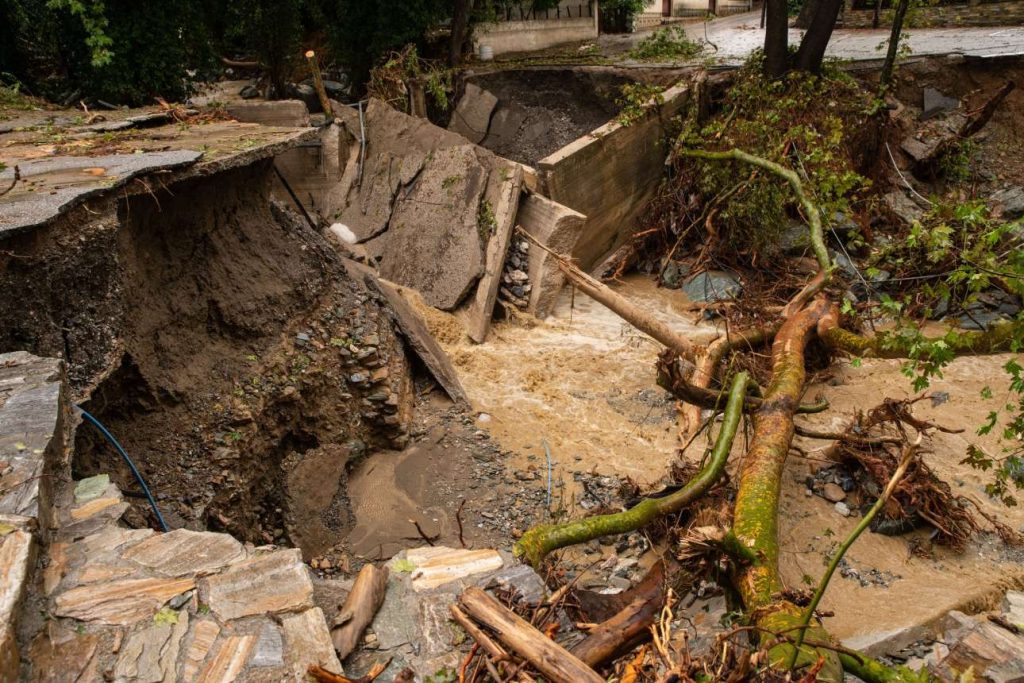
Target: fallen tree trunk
629	627
755	517
359	609
536	543
551	659
619	304
998	338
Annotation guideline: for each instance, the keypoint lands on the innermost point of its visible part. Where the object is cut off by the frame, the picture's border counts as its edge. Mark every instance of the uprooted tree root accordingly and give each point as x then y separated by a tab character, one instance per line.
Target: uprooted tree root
869	448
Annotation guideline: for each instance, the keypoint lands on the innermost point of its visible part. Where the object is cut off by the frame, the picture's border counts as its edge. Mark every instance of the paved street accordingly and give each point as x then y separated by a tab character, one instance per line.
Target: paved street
738	35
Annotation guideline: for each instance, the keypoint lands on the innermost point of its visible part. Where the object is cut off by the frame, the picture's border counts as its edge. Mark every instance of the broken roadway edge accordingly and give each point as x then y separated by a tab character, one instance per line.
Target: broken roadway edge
52	186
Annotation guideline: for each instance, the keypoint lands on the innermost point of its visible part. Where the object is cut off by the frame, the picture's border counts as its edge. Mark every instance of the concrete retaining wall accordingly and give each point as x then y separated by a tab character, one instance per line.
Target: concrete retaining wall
523	36
609	175
976	14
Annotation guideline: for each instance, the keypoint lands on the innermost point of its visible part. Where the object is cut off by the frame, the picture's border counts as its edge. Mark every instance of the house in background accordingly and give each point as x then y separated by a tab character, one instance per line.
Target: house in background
658	11
520	30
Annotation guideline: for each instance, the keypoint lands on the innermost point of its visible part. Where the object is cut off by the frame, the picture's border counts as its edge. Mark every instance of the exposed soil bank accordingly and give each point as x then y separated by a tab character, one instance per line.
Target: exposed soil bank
223	343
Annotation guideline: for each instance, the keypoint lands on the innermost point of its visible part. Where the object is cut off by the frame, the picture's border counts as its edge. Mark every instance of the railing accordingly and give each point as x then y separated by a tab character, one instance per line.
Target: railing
579	10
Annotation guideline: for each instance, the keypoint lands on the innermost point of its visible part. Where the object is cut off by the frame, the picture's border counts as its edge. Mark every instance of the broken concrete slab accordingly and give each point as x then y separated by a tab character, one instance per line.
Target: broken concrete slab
51	186
472	116
439	251
273	582
437	565
271	113
431	209
505	124
156	118
119	602
184	552
415	331
558	228
935	104
497	214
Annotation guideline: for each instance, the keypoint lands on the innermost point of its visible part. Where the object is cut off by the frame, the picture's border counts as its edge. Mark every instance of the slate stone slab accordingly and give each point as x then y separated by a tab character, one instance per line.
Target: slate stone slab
52	186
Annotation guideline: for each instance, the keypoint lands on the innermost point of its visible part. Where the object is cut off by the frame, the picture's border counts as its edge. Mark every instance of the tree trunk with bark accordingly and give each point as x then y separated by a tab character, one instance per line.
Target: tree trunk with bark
776	38
894	43
460	31
819	32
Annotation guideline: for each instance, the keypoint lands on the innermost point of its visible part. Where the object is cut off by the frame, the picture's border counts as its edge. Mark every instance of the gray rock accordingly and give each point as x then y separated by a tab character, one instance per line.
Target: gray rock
935	103
249	92
978	319
712	286
903	207
843	509
1011	200
795	239
524	580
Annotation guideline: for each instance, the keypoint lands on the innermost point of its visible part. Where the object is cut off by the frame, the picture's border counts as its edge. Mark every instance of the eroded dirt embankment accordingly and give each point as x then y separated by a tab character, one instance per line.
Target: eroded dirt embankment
221	340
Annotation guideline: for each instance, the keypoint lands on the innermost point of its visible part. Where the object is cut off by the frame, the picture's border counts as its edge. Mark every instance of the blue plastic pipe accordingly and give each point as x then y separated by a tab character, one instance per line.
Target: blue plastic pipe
135	471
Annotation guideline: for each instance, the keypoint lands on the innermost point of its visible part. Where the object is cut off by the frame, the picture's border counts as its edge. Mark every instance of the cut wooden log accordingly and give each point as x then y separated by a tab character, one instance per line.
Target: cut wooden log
359	609
628	628
549	658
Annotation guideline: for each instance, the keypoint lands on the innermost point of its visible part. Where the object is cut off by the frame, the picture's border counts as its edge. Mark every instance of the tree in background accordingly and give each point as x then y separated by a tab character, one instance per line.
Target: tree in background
820	15
617	15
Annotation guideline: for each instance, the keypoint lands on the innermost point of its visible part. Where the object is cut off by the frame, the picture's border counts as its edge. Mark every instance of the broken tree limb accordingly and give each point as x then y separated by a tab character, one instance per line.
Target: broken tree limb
517	634
318	84
359	609
908	454
811	212
984	114
998	338
536	543
492	648
617	303
673	380
706	362
629	627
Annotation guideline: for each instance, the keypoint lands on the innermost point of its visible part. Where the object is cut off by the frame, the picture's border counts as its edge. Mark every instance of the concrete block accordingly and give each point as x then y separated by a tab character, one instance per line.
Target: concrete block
557	227
472	115
610	174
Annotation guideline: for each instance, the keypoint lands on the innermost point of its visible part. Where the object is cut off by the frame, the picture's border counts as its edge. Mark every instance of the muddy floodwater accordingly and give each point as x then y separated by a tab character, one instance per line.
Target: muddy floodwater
583	381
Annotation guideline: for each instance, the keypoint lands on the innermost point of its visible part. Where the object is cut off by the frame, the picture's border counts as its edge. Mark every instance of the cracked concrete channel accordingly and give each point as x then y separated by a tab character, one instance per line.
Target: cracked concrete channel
304	400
